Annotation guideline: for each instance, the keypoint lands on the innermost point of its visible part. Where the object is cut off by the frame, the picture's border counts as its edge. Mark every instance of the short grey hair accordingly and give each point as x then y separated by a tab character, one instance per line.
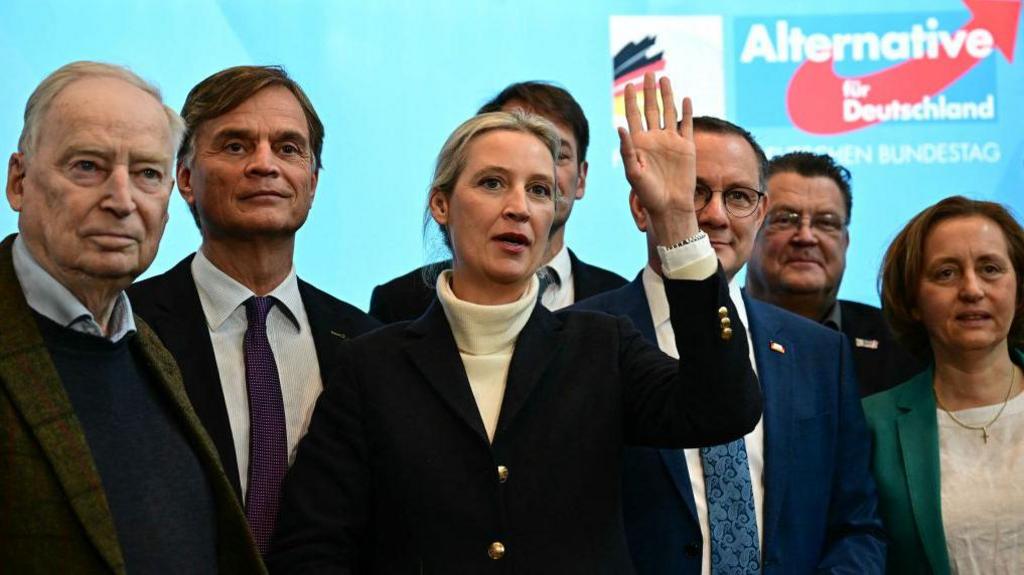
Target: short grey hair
48	90
453	158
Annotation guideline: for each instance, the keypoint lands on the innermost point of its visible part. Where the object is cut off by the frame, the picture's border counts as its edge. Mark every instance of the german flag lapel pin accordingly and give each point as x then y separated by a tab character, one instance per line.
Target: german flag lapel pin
866	343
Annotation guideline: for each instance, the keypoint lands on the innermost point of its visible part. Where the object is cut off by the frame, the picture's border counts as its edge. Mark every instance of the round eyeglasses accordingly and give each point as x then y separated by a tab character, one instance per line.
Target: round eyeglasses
739	201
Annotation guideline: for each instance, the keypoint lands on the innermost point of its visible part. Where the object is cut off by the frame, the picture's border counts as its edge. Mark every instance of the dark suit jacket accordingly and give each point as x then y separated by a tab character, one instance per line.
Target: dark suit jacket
882	367
54	516
819	501
170	303
408	296
397	474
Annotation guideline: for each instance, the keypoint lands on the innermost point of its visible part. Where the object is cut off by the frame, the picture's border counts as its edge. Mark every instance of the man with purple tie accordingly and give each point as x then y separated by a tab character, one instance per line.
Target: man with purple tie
253	341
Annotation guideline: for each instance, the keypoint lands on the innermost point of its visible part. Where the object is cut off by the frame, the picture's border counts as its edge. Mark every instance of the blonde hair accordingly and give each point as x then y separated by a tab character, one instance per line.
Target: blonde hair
453	156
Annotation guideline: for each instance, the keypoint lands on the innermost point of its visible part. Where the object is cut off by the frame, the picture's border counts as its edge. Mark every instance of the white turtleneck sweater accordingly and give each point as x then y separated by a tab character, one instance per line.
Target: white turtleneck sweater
486	334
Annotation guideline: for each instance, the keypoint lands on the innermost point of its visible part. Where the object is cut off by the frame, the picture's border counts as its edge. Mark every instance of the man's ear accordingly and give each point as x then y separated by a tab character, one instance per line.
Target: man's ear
184	174
638	211
581	180
312	185
439	207
762	209
16	181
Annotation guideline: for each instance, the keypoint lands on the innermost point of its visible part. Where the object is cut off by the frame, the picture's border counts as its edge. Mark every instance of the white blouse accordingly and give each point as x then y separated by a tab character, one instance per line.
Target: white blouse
982	488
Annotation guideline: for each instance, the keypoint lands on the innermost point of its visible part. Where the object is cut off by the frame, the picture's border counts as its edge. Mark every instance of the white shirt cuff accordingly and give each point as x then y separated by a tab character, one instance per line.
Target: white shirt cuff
695	261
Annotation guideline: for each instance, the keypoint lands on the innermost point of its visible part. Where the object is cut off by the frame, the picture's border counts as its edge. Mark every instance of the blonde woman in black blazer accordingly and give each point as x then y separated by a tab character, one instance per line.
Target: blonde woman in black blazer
431	453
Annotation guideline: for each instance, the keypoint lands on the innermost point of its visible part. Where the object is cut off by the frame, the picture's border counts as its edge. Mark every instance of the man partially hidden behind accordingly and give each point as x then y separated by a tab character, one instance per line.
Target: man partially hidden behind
565	279
253	341
799	258
104	467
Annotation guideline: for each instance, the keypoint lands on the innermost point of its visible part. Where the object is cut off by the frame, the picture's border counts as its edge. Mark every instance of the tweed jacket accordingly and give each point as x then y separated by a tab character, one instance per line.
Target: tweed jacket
54	515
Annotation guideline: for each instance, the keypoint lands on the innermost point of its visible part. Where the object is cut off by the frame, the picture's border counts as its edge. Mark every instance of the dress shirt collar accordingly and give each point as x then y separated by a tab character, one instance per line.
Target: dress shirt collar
654	288
49	298
562	265
222	294
655	291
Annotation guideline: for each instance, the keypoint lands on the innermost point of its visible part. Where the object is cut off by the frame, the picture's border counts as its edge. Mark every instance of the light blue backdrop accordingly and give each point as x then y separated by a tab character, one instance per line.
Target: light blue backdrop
391	79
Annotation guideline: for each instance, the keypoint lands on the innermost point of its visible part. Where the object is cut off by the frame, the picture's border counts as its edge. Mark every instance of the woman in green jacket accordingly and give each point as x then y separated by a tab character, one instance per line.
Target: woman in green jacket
949	443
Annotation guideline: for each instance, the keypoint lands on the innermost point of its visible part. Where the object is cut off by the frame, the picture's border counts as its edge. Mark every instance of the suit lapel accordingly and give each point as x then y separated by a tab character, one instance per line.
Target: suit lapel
432	348
536	346
775	372
675	465
182	328
634	305
580	279
164	372
323	323
36	391
918	433
233	530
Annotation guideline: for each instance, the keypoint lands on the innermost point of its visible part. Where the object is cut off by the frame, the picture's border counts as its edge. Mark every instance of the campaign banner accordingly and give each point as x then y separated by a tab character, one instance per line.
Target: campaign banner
918	103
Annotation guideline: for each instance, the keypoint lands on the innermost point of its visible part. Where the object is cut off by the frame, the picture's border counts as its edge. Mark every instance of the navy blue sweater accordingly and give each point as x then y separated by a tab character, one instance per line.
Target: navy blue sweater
159	495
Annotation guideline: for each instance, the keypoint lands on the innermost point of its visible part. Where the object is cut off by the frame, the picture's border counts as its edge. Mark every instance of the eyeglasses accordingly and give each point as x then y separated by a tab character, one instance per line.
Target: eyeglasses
827	223
739	201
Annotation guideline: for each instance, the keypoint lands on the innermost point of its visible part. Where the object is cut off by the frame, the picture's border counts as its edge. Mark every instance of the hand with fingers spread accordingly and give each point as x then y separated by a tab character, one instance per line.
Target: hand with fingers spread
660	160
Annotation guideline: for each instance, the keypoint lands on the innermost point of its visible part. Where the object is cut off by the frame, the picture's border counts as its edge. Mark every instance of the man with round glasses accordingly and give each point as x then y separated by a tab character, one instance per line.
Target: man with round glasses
793	496
800	255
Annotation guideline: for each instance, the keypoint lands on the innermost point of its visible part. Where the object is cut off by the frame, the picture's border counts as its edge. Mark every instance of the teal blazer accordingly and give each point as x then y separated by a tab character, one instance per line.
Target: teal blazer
905	461
54	516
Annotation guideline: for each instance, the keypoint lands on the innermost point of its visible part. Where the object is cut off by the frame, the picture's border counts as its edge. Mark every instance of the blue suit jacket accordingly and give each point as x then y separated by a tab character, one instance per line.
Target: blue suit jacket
820	504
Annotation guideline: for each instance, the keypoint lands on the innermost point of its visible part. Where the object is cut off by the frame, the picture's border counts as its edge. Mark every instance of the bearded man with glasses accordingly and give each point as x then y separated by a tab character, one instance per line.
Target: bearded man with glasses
793	496
799	258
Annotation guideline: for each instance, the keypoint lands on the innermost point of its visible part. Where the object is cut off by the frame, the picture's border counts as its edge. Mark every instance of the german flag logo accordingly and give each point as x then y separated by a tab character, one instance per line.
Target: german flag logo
630	64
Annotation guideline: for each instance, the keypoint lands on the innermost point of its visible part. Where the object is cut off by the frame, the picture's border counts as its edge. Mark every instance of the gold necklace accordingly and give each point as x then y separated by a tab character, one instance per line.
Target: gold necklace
982	428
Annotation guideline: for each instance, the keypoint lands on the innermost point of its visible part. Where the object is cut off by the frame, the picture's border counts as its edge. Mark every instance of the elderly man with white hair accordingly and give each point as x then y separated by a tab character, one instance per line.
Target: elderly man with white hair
104	465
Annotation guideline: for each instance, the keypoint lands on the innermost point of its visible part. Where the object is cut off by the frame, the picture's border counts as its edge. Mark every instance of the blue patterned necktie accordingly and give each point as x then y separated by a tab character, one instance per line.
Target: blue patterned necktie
268	436
731	516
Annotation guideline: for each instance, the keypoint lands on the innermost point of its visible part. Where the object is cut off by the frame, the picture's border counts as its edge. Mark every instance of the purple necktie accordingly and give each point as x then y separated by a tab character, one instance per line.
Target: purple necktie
268	438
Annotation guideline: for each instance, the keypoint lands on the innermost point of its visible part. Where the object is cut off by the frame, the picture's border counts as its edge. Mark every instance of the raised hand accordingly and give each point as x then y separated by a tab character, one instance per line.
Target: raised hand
660	160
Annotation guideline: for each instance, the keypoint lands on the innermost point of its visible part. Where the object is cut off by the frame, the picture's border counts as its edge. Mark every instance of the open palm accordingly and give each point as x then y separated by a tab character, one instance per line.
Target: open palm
659	157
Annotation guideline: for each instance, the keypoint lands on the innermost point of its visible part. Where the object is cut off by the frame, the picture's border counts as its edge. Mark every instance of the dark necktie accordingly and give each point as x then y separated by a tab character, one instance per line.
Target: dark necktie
731	516
548	277
268	437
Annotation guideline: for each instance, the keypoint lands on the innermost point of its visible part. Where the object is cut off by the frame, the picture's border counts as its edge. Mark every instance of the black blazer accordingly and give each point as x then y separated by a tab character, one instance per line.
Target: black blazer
881	362
397	475
408	296
169	303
